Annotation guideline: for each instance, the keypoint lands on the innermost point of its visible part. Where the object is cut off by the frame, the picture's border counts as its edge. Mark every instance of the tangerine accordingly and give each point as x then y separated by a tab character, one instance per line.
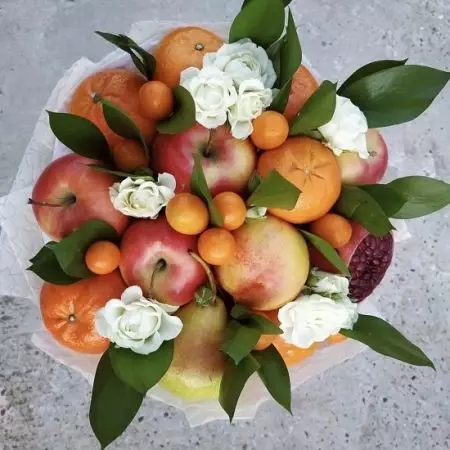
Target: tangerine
187	214
68	312
291	354
128	155
232	208
217	246
313	168
270	130
121	87
182	48
102	257
335	229
267	340
156	100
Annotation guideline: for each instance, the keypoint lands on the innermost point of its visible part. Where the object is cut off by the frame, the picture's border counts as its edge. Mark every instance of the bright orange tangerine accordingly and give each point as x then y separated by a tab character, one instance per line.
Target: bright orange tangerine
291	354
156	100
187	214
129	155
217	246
232	208
267	339
270	130
335	229
102	257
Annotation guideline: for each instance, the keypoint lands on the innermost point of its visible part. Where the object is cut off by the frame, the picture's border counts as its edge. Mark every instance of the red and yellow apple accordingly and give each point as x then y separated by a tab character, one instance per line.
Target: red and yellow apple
271	264
228	163
156	258
69	193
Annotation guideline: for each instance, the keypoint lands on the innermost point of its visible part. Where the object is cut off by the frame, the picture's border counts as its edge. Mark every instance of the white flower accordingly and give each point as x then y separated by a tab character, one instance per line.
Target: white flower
328	283
256	212
142	198
347	129
243	60
313	318
137	323
213	93
252	99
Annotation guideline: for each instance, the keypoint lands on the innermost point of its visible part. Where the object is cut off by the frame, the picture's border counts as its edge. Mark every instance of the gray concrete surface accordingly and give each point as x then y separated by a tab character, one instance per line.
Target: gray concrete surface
367	403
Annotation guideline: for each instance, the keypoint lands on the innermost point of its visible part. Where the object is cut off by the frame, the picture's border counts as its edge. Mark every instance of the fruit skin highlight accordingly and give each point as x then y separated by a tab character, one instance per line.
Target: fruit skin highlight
270	267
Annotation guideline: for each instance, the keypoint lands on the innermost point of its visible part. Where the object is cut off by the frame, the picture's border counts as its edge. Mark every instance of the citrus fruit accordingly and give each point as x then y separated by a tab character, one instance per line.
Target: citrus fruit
102	257
128	155
267	339
217	246
313	168
336	339
182	48
119	86
303	86
68	312
232	208
270	130
335	229
187	214
156	100
291	354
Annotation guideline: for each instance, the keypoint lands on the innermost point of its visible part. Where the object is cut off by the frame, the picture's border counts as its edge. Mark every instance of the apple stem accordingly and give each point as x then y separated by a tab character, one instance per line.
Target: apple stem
69	201
207	151
159	265
209	274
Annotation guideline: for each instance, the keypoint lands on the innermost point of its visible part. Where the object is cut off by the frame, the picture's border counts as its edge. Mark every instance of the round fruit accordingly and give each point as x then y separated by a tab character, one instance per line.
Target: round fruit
102	257
232	208
368	258
217	246
267	339
303	86
68	312
182	48
187	214
270	130
335	229
128	155
336	339
156	100
291	354
313	168
121	87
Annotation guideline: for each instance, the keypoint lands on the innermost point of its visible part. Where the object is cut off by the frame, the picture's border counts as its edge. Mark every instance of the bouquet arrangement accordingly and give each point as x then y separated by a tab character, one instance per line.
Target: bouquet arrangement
218	213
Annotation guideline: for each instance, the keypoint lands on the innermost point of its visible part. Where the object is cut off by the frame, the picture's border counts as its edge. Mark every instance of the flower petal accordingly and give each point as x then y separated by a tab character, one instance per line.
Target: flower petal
131	294
171	327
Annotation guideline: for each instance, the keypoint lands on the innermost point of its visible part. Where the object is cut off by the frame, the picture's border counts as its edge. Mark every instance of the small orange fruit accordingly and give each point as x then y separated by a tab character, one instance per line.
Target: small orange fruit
129	155
336	339
291	354
102	257
187	214
156	100
270	130
232	208
335	229
217	246
267	339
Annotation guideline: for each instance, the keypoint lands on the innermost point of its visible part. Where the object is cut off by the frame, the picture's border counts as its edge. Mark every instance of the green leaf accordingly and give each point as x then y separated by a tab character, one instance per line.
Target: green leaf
369	69
183	117
239	340
317	111
45	265
389	199
275	191
327	251
262	21
139	173
423	195
290	52
80	135
356	204
200	188
396	95
141	372
274	54
71	250
285	2
233	381
254	181
280	100
113	404
386	340
275	375
239	312
265	326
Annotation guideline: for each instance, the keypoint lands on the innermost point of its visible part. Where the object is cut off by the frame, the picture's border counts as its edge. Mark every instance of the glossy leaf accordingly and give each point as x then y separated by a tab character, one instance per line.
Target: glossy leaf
386	340
389	199
183	117
239	340
240	312
254	181
253	320
281	99
114	404
290	52
274	54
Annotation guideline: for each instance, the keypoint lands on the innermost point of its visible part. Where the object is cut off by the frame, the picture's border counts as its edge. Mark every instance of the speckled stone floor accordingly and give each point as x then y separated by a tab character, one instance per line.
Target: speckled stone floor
367	403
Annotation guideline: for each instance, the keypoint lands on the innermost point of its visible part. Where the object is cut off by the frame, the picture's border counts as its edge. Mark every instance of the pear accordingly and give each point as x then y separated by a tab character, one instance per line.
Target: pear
198	362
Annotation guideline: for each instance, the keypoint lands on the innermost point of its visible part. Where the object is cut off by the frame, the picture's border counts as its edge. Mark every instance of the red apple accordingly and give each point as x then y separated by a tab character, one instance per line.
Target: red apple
156	258
355	170
228	163
69	193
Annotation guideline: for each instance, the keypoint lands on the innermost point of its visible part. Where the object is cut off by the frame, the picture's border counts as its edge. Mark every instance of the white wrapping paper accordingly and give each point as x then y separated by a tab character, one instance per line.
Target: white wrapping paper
21	239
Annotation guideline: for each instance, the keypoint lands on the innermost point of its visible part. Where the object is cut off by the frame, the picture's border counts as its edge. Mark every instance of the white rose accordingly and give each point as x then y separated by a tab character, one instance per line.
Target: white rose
142	198
347	129
313	318
137	323
243	60
252	99
328	283
256	212
213	93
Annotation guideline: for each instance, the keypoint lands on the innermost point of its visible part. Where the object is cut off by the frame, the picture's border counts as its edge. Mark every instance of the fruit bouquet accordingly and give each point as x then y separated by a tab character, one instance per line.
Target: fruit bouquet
213	216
